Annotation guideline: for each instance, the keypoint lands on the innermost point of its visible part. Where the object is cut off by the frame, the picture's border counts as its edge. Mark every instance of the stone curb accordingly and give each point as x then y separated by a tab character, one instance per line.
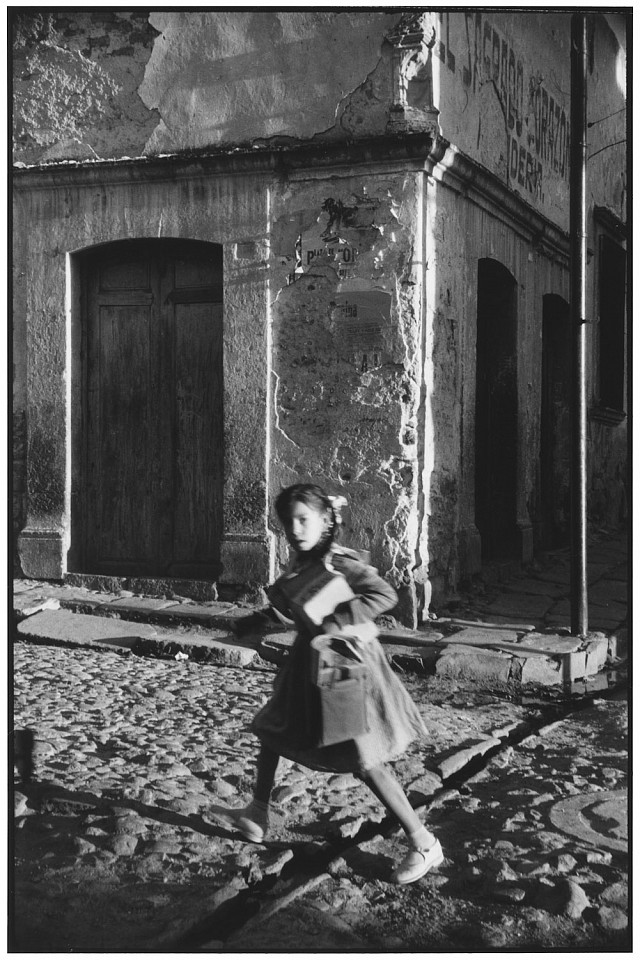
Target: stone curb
475	652
270	909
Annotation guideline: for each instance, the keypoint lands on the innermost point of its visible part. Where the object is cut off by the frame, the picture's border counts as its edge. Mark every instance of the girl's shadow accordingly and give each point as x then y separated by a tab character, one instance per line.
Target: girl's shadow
52	798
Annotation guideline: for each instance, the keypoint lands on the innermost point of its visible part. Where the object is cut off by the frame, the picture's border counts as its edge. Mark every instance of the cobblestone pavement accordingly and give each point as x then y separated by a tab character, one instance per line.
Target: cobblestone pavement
115	848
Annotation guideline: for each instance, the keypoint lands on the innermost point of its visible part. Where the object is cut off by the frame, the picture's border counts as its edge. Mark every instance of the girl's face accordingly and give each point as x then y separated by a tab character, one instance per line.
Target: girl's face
305	526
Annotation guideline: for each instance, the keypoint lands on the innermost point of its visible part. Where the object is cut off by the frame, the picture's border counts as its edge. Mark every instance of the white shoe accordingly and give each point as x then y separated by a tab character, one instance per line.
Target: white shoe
417	863
248	822
251	829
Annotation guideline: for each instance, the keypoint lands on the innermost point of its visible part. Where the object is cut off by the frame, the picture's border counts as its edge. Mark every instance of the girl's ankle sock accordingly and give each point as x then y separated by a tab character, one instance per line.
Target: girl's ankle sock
421	839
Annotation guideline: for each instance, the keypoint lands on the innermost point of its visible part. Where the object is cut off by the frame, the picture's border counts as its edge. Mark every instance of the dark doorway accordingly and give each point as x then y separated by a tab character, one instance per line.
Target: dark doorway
612	301
151	494
496	412
555	423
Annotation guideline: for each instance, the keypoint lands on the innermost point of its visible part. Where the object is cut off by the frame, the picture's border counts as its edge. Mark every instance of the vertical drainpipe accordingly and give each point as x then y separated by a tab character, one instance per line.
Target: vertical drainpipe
578	231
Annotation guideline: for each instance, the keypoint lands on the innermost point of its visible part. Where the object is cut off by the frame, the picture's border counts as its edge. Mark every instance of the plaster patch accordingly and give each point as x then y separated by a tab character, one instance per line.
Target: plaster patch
239	76
75	85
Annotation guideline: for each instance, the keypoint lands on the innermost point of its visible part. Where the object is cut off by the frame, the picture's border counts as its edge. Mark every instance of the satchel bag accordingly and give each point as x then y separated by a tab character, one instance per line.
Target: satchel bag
339	678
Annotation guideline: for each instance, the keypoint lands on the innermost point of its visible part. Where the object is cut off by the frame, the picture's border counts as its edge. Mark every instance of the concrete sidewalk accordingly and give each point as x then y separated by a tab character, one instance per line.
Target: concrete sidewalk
508	628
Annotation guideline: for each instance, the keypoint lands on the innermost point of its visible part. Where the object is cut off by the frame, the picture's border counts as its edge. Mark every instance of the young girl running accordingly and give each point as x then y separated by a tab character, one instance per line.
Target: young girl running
311	524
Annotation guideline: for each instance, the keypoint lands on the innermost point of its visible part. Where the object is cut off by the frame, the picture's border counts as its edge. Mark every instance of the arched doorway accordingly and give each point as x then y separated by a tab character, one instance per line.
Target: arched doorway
555	423
496	434
150	498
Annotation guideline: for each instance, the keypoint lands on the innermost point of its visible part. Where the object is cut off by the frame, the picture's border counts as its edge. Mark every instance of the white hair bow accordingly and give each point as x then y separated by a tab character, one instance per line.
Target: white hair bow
338	503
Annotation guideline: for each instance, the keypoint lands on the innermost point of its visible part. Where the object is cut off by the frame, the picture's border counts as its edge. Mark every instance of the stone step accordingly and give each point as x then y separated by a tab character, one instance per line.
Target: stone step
64	627
148	610
202	632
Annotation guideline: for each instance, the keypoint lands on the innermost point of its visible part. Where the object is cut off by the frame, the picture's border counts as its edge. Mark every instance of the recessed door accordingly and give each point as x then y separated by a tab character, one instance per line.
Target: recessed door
496	439
153	428
555	423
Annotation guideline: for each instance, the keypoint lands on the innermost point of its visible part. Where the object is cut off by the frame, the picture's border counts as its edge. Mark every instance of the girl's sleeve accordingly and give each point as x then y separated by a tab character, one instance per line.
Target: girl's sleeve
373	596
262	621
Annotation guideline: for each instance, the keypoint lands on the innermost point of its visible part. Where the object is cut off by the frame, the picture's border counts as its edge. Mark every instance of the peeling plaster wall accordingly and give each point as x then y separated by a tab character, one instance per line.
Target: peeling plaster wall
18	373
346	356
126	83
607	143
76	78
221	78
502	83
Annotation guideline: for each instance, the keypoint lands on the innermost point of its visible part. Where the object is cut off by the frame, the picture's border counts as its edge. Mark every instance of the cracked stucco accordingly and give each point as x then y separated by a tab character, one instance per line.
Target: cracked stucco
504	99
76	76
345	389
107	85
227	77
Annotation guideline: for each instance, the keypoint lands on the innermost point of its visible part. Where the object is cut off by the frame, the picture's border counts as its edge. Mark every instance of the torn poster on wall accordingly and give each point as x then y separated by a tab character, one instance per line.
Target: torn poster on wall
361	319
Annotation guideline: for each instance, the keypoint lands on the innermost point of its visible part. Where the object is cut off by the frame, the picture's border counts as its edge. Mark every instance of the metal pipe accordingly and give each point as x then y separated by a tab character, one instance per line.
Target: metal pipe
578	231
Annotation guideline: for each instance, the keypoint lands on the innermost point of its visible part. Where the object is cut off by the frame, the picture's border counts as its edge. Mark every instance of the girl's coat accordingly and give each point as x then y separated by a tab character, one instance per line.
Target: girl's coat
286	723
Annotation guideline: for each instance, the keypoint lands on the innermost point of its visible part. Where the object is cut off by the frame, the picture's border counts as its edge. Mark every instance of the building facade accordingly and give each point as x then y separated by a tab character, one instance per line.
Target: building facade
253	248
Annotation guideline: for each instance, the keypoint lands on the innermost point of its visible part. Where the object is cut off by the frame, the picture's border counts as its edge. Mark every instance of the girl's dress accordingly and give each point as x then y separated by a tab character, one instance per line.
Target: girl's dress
285	723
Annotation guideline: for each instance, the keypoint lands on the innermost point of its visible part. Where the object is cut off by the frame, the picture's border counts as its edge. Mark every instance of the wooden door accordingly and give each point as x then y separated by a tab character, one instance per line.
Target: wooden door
152	491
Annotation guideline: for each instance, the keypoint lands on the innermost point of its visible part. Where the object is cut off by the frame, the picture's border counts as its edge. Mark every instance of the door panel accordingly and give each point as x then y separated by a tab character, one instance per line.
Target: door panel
198	433
152	494
122	437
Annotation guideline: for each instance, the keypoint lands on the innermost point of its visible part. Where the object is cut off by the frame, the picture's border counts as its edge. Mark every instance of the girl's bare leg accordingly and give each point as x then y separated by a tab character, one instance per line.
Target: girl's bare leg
382	781
266	774
252	821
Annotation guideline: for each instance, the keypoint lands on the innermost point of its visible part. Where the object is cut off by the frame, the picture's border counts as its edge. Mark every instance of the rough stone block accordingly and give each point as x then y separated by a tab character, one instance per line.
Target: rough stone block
541	670
245	561
200	650
139	605
426	785
481	636
168	611
574	665
461	758
551	643
42	556
596	653
412	638
79	628
487	665
517	726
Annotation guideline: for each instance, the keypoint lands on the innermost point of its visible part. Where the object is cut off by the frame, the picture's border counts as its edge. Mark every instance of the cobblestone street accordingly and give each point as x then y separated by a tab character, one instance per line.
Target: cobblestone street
116	848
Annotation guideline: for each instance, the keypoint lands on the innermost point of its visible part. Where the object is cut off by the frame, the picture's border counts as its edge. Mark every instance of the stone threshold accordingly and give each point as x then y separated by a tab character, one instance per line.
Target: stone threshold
203	633
158	587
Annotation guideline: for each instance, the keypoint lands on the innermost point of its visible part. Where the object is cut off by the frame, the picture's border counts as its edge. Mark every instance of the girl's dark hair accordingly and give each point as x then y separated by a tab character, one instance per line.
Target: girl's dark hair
313	496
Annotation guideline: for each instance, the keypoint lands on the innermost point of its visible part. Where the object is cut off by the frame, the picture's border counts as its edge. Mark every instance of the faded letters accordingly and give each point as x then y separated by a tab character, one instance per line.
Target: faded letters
362	317
537	124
